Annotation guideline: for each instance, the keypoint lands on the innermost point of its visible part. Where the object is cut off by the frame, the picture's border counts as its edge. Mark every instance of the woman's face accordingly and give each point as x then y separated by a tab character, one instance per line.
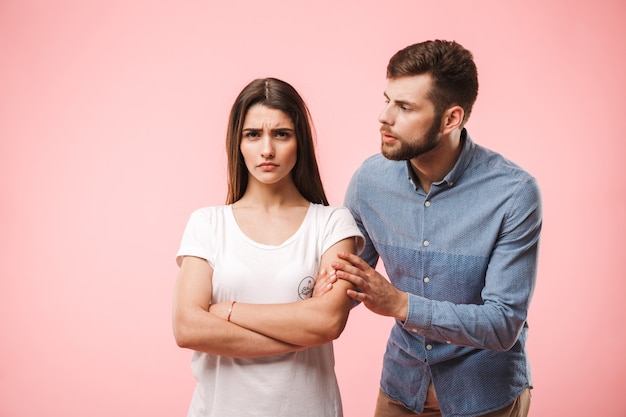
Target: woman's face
268	145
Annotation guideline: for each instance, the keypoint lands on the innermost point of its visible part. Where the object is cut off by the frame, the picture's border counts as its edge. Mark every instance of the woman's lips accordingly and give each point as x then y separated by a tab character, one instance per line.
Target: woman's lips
267	166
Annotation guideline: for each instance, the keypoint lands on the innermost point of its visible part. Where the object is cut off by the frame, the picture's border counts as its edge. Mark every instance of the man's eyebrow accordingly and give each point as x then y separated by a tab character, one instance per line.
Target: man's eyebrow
403	103
398	102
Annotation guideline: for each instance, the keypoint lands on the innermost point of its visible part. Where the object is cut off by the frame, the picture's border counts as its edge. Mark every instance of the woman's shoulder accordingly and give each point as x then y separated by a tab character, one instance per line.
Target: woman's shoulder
209	213
320	208
327	212
211	209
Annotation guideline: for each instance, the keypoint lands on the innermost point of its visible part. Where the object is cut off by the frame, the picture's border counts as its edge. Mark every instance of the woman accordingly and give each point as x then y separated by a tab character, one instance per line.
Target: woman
262	345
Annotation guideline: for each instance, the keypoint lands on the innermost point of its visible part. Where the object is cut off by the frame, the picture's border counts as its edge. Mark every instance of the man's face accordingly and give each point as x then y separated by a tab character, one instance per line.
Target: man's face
410	126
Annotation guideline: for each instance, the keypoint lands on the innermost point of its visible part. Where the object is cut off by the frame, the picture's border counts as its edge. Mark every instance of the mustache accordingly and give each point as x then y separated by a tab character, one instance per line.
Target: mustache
386	130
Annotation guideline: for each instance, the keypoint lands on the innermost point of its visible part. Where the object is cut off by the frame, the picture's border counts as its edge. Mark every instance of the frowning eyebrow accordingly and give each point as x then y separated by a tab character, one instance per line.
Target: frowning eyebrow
275	130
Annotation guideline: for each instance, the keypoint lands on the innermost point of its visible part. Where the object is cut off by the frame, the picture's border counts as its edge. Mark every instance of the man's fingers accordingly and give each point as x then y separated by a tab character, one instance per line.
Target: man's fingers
356	280
348	268
353	259
356	295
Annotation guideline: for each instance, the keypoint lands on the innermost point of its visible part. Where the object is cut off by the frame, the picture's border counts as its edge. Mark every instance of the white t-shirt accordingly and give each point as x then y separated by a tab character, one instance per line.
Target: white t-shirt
298	384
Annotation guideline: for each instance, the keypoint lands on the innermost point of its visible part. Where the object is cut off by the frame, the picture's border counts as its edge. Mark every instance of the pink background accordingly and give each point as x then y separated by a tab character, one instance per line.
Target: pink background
112	118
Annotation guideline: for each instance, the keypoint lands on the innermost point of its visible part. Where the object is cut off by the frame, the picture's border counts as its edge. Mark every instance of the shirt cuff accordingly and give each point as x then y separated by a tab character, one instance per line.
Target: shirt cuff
420	314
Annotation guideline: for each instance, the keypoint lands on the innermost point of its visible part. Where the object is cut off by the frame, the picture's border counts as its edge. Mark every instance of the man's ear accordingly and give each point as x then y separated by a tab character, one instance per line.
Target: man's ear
452	119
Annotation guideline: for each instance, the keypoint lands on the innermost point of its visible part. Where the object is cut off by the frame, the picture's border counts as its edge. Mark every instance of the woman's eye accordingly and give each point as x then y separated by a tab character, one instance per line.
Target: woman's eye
281	134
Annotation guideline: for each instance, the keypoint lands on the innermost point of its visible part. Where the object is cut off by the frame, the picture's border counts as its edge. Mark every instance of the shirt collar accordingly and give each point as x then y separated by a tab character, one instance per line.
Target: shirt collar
459	167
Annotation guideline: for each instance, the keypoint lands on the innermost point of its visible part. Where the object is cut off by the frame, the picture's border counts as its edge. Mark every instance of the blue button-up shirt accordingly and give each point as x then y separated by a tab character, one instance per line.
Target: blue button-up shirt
466	253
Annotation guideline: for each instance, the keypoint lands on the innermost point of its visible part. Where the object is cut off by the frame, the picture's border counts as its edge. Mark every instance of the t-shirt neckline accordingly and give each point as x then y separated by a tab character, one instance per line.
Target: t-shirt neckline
263	245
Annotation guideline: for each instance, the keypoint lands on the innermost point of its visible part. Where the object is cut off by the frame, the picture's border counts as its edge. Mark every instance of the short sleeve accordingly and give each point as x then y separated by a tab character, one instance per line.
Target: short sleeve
197	238
341	225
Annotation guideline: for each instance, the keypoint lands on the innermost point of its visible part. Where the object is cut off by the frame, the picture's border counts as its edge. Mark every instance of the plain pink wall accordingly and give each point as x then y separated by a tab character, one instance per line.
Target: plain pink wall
112	118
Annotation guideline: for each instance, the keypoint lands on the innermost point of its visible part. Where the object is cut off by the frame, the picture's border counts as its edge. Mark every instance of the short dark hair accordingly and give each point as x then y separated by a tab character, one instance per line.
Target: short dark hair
451	66
279	95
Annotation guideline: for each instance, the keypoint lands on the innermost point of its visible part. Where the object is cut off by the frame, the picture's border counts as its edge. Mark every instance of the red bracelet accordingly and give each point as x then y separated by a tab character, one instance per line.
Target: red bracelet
230	310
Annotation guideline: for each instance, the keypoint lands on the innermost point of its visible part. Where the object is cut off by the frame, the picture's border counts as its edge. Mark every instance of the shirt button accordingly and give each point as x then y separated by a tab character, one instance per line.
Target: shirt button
426	243
427	204
448	342
427	280
429	347
414	330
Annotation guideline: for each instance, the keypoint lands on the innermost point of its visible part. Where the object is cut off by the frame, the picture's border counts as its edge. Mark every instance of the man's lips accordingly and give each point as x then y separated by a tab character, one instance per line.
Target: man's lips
387	137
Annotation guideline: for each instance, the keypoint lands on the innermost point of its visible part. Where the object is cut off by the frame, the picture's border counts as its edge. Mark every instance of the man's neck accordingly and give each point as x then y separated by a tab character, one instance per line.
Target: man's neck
434	165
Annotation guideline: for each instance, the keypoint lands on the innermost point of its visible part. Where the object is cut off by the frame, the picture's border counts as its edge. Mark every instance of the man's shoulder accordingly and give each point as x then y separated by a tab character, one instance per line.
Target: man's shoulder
499	175
375	159
377	171
378	162
494	160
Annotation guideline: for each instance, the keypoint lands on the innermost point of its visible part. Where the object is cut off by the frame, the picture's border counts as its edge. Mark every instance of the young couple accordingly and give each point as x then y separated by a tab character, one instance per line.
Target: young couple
267	281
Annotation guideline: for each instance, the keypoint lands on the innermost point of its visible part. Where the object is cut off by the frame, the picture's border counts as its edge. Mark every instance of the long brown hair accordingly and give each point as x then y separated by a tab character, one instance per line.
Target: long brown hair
279	95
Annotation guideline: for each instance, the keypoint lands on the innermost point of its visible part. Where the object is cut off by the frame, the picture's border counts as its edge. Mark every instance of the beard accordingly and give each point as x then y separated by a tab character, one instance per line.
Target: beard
404	151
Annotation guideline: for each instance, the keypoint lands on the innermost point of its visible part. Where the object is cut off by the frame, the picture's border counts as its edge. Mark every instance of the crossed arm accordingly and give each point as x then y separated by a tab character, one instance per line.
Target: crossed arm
256	330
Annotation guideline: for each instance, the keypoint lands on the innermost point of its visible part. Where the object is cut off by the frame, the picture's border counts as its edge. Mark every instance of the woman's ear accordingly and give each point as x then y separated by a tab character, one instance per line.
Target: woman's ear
453	119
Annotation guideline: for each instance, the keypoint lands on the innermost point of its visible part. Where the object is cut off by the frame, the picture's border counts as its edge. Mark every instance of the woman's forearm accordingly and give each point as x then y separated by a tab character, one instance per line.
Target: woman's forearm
309	322
195	328
202	331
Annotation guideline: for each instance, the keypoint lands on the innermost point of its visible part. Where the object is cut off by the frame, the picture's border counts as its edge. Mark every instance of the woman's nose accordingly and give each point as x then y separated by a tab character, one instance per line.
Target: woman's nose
268	149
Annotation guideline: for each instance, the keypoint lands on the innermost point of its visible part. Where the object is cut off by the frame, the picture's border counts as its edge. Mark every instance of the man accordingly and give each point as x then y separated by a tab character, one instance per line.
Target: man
457	227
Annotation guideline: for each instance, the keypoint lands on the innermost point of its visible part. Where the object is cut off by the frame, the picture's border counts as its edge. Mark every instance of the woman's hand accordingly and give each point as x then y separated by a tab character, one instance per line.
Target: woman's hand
220	309
324	283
